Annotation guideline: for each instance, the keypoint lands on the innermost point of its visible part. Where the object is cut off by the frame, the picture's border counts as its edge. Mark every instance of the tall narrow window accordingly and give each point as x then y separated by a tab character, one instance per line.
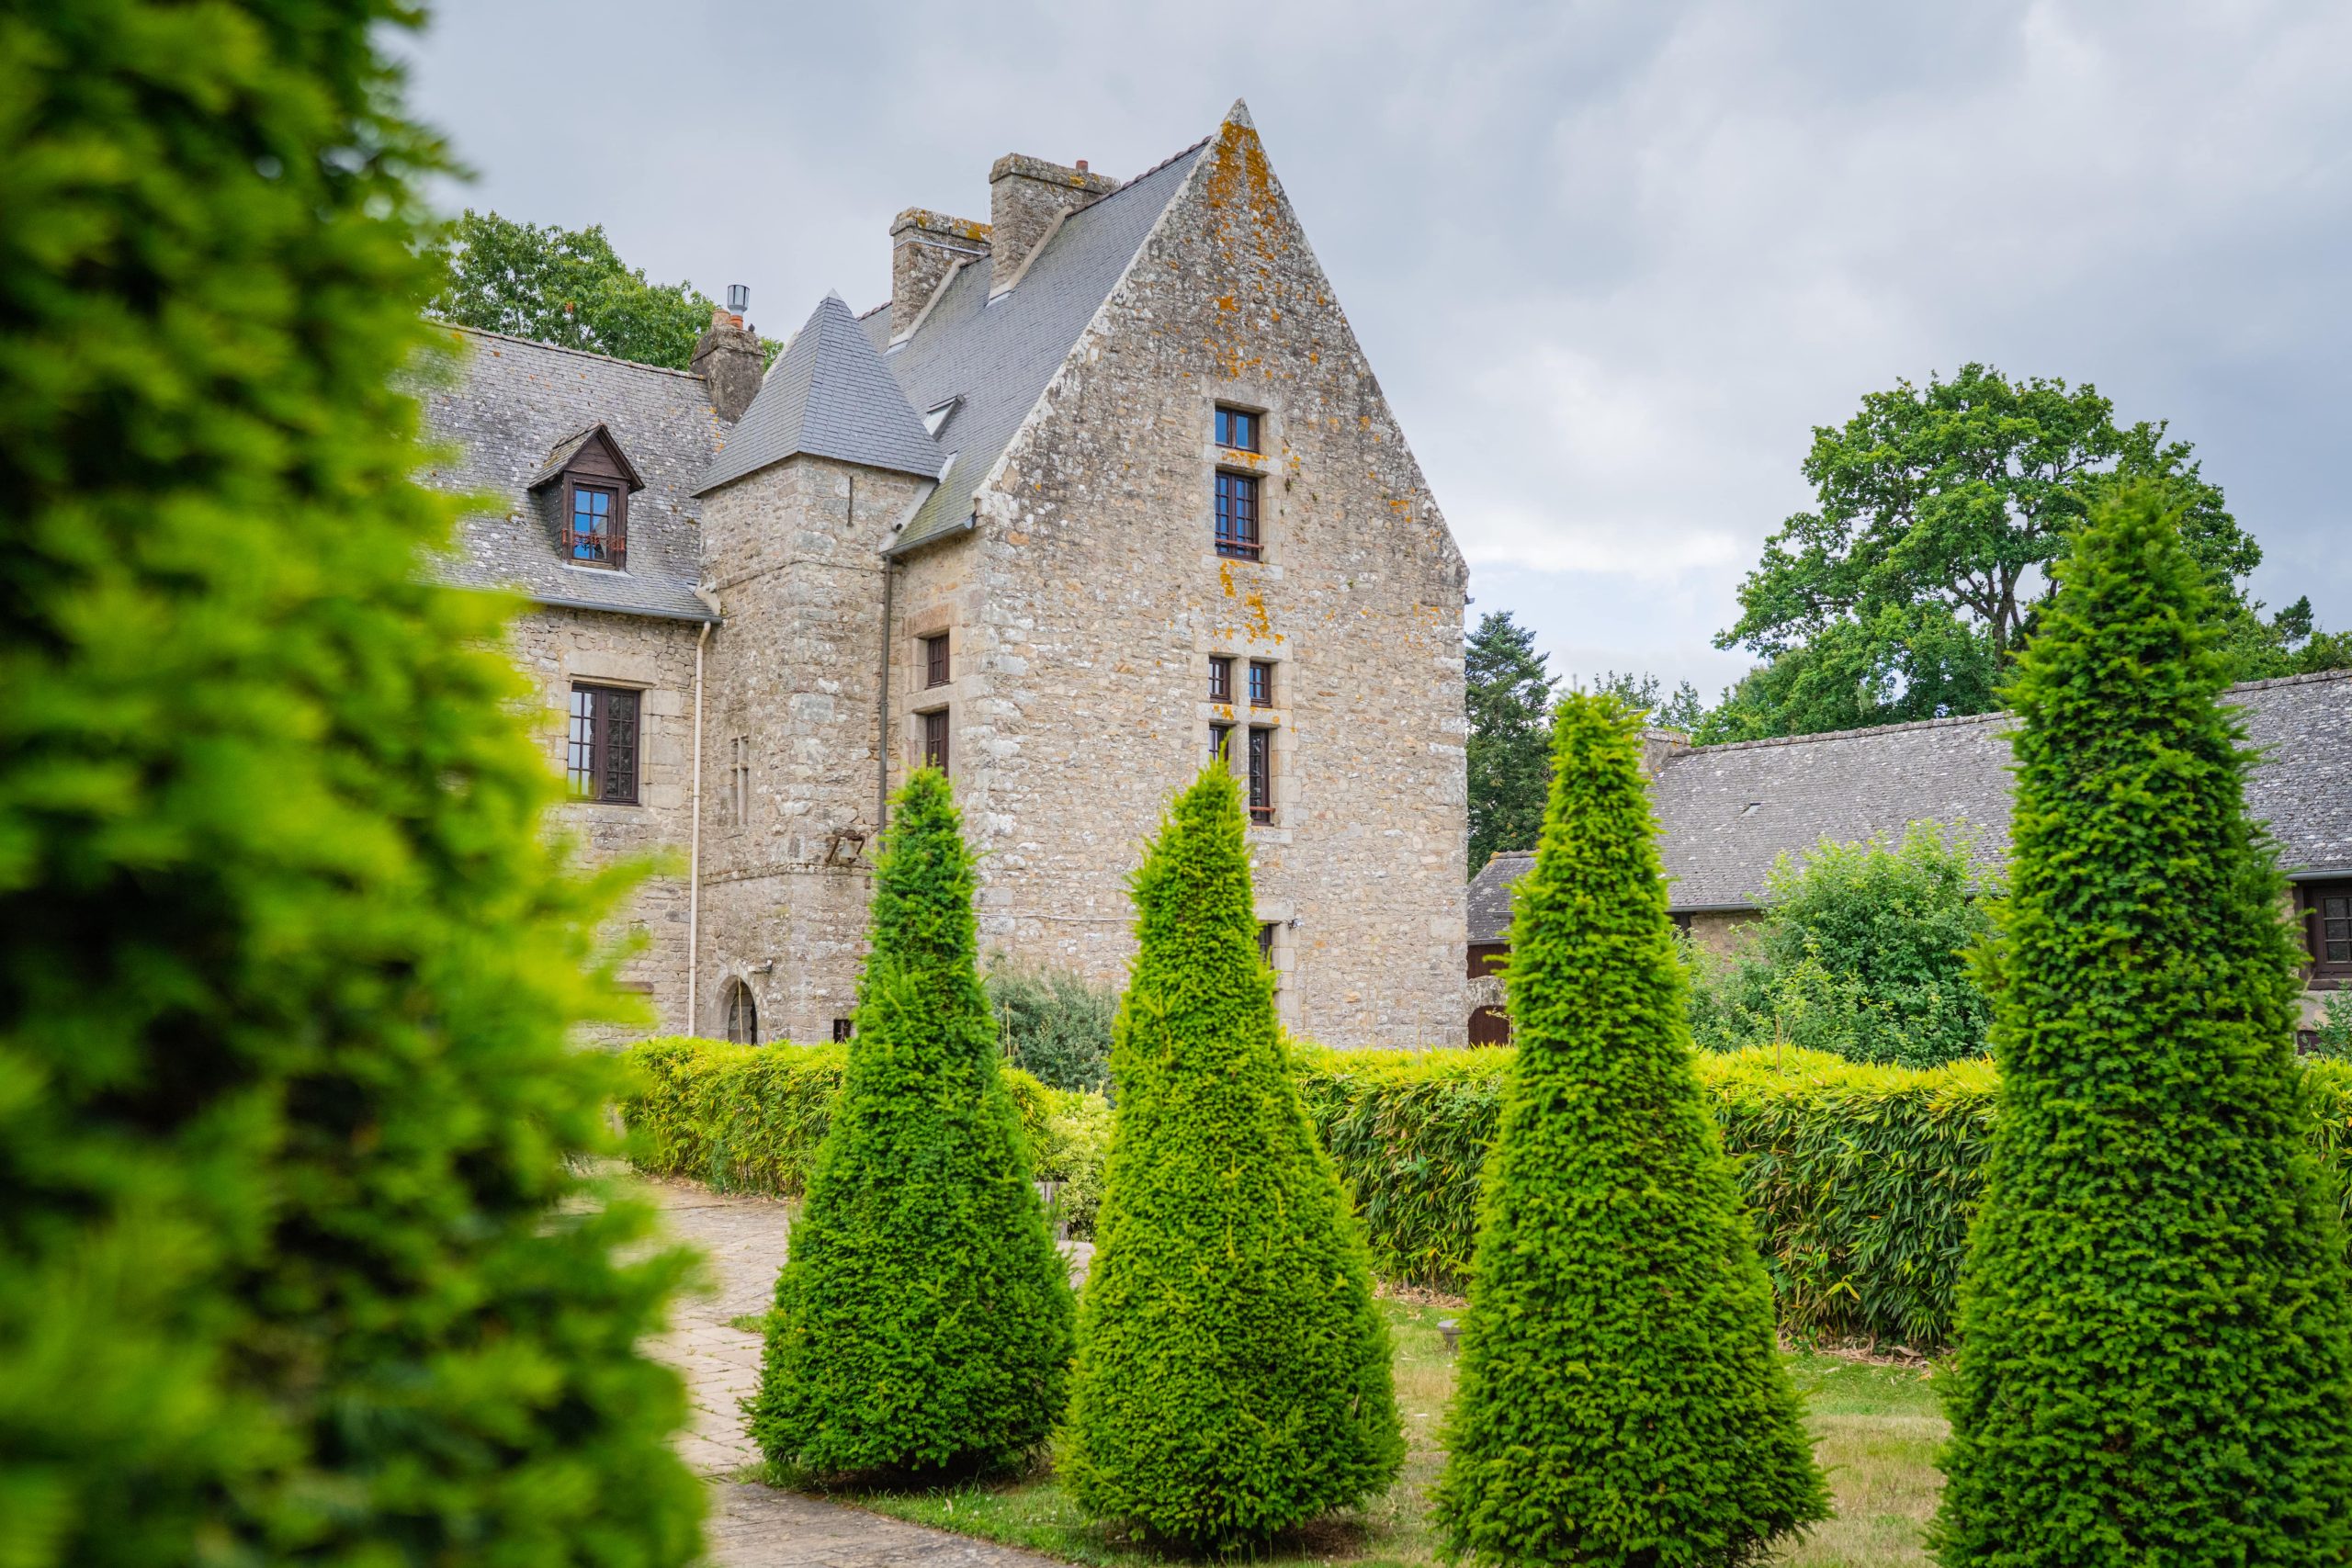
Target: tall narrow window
1237	515
1220	679
742	1014
1266	943
2329	920
1237	430
1261	776
935	661
934	739
842	1030
1262	683
600	756
593	533
739	780
1221	743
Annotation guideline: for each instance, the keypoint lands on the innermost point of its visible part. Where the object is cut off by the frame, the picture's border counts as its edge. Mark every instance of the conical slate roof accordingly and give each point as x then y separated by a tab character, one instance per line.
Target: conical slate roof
829	396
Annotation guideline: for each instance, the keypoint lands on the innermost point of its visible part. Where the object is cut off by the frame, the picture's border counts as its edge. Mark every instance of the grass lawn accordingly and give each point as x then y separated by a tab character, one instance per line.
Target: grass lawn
1875	1428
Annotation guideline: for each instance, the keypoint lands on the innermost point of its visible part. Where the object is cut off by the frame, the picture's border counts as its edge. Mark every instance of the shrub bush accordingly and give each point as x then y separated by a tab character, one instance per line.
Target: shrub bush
1054	1023
294	1266
1622	1398
1233	1376
923	1316
2155	1334
750	1117
1862	952
2332	1041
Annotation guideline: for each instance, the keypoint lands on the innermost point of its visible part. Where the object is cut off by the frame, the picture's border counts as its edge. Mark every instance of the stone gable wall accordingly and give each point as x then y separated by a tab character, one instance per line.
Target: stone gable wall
1098	599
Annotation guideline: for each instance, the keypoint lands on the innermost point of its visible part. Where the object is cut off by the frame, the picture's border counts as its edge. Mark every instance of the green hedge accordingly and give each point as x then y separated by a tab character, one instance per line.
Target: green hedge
749	1118
1862	1179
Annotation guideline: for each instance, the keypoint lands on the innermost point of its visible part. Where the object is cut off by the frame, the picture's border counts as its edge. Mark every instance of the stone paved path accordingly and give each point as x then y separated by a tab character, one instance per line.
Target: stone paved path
753	1526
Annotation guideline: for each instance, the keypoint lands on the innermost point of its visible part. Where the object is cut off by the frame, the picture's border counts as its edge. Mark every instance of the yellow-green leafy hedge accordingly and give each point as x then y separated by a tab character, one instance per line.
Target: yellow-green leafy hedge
749	1118
1862	1179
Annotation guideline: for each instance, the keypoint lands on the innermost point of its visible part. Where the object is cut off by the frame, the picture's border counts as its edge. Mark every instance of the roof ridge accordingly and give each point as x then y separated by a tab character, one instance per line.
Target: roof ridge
1179	153
2307	678
565	348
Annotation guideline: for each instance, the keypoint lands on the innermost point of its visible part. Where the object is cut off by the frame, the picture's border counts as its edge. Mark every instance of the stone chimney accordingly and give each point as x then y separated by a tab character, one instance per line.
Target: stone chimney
727	358
1659	747
1027	196
924	248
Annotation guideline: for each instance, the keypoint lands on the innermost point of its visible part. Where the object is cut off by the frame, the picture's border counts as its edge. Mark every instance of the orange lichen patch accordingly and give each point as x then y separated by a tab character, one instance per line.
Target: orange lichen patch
1241	459
1259	624
1016	537
1225	575
1225	302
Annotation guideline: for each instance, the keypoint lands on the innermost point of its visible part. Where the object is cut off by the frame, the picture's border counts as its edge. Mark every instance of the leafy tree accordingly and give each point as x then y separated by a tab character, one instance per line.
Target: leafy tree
1507	692
1909	590
2154	1323
1863	951
922	1316
563	286
1681	711
1056	1024
1233	1377
294	1264
1622	1396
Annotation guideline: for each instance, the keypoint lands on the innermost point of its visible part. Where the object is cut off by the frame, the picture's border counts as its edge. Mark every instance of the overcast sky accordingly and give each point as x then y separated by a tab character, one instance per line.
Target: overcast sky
1610	262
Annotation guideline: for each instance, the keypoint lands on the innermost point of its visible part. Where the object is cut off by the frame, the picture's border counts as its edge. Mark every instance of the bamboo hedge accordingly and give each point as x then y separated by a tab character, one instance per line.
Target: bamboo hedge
1862	1179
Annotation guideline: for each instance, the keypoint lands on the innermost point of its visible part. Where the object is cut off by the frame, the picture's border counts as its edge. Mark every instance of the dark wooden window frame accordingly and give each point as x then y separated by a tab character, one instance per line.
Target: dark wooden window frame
1220	678
1221	742
1261	776
938	666
1240	429
601	743
609	550
842	1030
2327	929
1237	531
936	739
1262	683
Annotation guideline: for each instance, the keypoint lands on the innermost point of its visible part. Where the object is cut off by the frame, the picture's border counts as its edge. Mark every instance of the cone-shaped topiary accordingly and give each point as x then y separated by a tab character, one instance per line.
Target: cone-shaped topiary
2153	1315
294	1266
1232	1375
923	1316
1622	1396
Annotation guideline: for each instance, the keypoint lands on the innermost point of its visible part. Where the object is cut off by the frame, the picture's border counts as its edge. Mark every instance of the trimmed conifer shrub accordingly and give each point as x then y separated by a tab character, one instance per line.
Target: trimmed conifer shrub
292	1266
922	1316
1233	1376
2154	1312
1622	1398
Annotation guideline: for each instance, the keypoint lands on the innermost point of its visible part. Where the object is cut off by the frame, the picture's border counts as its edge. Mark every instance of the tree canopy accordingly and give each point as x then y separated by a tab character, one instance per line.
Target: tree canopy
1508	694
563	286
1909	589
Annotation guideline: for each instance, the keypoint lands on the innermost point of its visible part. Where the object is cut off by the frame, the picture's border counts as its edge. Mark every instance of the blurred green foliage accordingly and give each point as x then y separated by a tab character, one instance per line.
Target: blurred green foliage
295	1262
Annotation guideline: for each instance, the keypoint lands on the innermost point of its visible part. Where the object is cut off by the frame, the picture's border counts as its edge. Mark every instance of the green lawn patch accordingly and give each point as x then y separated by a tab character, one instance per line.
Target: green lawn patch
1875	1428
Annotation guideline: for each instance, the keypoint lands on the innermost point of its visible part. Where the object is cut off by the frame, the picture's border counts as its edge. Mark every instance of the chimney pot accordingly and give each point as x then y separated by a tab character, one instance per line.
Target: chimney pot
1081	165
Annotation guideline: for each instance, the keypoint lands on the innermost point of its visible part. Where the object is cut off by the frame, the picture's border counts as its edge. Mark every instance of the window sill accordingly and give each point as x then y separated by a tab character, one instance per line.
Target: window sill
1257	833
592	566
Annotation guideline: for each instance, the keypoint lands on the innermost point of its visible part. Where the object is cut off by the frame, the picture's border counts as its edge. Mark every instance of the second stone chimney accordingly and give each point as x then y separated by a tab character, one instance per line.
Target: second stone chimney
728	357
924	248
1027	196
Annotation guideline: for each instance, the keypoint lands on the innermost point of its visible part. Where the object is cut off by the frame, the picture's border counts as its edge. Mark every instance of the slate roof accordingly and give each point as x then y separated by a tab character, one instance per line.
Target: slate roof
997	357
1726	812
827	396
514	404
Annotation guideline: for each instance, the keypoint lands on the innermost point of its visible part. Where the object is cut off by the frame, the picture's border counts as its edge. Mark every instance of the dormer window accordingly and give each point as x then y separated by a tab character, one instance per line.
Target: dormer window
596	535
586	482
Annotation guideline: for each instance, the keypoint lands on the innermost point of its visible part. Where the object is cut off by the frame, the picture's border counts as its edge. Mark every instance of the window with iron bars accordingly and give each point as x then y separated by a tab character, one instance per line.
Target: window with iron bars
1261	776
934	739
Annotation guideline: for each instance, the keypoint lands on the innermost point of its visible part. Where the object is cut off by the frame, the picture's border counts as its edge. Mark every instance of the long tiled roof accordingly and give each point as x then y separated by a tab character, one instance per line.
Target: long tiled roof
827	396
992	358
514	404
1726	812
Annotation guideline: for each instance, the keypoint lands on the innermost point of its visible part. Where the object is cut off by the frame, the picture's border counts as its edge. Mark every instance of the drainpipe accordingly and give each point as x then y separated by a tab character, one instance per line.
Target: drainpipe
693	840
882	749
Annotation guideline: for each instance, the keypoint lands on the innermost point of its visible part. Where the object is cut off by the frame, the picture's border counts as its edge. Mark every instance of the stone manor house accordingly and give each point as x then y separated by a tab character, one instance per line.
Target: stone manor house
1105	485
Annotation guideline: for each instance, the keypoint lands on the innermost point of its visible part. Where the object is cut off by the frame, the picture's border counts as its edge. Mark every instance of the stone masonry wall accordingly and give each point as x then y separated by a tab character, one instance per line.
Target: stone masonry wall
1097	598
789	761
555	648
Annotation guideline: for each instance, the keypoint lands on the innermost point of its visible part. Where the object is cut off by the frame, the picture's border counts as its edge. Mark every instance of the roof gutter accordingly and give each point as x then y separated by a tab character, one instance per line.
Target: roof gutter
899	549
703	618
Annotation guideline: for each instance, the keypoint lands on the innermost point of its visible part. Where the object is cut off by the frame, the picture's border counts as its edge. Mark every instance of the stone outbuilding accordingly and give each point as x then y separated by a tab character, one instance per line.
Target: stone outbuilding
1727	813
1105	488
